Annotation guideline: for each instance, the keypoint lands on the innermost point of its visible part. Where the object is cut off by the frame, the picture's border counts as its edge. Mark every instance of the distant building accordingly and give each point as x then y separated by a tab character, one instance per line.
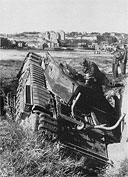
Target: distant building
47	35
31	45
20	44
62	35
113	34
79	37
58	36
53	36
91	38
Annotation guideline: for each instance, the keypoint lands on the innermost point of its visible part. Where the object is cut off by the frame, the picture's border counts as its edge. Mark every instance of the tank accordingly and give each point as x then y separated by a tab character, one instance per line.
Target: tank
52	98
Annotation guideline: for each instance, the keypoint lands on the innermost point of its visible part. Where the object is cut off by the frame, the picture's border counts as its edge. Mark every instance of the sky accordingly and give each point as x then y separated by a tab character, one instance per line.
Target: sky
68	15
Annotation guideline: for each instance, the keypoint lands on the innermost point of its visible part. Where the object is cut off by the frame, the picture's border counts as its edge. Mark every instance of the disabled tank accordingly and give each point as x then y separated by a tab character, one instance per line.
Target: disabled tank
52	98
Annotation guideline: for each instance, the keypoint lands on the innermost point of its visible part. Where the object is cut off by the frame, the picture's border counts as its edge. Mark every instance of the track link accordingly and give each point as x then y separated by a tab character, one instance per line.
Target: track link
48	126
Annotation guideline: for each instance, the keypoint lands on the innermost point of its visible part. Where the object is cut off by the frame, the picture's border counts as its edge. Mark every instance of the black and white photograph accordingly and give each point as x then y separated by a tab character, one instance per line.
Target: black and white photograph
63	88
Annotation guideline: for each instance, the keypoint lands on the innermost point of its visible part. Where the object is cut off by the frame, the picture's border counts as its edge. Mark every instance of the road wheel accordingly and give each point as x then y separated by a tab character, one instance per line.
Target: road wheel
48	125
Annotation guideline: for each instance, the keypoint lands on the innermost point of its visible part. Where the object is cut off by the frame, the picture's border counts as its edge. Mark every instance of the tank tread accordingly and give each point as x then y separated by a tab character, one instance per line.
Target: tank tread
47	118
96	158
48	121
48	126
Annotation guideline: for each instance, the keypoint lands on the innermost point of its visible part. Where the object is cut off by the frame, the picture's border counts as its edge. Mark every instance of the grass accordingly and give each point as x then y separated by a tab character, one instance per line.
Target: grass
24	154
9	68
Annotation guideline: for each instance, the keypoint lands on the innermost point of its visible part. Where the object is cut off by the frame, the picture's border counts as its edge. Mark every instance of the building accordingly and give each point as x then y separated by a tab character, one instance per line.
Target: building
91	38
62	35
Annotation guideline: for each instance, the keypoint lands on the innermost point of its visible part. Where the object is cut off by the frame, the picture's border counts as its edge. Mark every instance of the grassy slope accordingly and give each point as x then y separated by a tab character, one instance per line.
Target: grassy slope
23	155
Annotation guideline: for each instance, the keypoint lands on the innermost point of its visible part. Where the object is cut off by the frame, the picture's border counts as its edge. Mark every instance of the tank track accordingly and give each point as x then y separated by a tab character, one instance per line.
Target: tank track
48	126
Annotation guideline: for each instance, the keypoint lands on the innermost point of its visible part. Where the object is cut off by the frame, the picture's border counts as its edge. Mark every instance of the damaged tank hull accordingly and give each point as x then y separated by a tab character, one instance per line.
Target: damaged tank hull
52	98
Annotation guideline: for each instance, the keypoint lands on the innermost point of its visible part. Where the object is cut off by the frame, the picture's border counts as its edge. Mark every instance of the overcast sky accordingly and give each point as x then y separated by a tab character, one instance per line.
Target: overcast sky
68	15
